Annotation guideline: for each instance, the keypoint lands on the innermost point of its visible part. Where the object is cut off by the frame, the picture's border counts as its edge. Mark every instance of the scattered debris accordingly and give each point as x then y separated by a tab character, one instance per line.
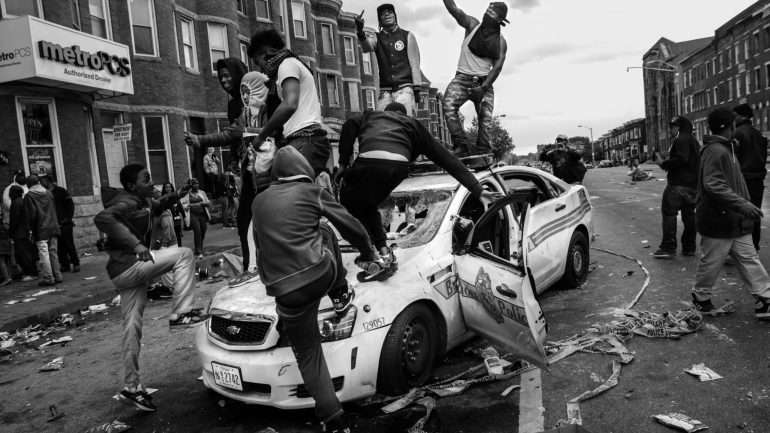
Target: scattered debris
12	302
25	300
55	414
54	365
703	373
429	403
110	427
726	308
573	406
639	263
509	390
44	292
492	361
115	301
61	341
89	278
680	421
97	308
268	430
404	401
645	241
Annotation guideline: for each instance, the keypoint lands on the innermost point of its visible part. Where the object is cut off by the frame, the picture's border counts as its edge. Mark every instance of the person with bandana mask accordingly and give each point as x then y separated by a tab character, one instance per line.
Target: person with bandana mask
482	56
398	59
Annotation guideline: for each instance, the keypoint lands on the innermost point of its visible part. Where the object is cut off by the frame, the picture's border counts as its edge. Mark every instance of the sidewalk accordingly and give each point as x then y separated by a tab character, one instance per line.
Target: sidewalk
88	287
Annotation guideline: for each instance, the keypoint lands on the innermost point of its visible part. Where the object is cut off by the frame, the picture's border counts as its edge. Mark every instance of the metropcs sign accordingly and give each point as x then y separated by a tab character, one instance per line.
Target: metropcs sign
76	61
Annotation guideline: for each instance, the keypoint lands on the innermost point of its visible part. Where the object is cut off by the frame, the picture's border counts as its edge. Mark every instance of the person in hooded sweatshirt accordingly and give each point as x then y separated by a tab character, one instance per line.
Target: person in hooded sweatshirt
679	196
304	265
40	211
482	56
398	59
725	218
752	154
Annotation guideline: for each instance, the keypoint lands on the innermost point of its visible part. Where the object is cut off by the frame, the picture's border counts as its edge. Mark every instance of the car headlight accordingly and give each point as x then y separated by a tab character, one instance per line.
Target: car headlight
334	327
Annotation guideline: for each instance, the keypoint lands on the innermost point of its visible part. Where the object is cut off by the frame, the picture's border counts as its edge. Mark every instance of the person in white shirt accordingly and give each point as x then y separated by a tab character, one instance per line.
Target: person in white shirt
211	169
299	110
18	180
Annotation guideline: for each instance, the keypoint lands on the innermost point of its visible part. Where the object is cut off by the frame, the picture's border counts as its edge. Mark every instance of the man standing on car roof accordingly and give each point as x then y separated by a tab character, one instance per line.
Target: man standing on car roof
388	142
482	56
398	59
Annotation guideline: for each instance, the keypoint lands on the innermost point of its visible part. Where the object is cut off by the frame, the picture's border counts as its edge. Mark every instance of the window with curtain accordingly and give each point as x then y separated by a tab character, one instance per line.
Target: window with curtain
332	90
217	43
143	26
156	148
298	19
99	16
327	38
263	9
350	50
366	59
188	44
355	97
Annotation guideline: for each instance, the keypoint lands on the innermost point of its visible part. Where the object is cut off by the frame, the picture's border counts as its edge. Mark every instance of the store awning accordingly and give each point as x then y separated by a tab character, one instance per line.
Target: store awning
36	51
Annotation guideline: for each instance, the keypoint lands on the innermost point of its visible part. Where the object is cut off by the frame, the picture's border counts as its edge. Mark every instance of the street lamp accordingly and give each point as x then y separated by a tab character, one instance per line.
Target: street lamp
591	136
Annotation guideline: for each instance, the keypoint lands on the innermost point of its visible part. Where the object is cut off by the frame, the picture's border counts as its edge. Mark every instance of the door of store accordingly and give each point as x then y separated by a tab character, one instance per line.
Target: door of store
114	152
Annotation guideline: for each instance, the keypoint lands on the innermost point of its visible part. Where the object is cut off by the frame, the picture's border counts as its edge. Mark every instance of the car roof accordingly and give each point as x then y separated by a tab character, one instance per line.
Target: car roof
444	181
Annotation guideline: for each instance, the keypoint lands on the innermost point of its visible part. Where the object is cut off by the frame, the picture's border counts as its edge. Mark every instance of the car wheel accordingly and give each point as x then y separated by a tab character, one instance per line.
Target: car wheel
409	351
576	270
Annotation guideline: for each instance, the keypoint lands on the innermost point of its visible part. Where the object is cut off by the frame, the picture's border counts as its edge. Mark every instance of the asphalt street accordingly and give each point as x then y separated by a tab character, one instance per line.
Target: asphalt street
627	220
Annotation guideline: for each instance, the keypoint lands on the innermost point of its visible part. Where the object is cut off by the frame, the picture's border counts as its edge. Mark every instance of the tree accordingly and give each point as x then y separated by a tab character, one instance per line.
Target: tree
499	139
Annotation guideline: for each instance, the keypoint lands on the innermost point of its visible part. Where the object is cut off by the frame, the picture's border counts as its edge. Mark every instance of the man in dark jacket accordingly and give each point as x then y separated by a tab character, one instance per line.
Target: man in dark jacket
126	220
565	161
24	250
679	195
752	154
388	142
725	218
304	265
40	211
65	211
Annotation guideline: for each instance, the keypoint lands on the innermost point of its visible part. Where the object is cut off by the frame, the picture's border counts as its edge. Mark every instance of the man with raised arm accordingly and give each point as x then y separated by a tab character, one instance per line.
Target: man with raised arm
482	56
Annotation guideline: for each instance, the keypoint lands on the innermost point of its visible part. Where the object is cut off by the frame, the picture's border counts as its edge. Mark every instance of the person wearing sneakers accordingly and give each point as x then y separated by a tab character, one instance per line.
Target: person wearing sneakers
40	212
752	154
388	142
126	220
304	265
679	196
725	218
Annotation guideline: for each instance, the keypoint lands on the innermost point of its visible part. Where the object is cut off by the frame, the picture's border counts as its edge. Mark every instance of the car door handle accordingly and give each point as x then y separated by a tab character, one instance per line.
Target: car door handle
507	292
561	207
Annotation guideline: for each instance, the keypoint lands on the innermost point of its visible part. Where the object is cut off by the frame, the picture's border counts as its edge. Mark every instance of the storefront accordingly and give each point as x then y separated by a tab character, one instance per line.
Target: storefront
50	76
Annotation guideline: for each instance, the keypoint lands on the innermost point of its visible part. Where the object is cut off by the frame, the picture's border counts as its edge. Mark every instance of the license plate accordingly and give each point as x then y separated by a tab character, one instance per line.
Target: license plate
227	376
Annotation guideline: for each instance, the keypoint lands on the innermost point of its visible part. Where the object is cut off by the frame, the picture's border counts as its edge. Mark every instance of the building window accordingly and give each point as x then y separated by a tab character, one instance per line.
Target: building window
99	15
767	75
16	8
729	89
369	99
355	97
757	78
280	17
143	28
327	38
767	38
366	59
716	96
156	148
332	90
737	50
245	54
75	11
217	43
240	7
746	49
350	50
719	63
757	47
298	19
738	86
39	135
748	83
263	9
709	71
188	44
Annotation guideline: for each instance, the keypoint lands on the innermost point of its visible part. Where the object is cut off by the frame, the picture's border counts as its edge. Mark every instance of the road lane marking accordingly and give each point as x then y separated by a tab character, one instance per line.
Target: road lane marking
531	419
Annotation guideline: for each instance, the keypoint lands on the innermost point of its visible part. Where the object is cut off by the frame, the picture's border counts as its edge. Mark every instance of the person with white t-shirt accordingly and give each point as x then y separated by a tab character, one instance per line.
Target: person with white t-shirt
299	111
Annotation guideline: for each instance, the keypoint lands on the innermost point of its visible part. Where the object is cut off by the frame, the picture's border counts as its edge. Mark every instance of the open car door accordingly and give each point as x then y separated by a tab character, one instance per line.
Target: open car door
497	295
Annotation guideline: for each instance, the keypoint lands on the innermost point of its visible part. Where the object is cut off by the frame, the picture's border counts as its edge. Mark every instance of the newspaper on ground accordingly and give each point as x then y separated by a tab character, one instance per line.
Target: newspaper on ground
703	373
406	400
681	422
62	340
54	365
429	403
110	427
573	406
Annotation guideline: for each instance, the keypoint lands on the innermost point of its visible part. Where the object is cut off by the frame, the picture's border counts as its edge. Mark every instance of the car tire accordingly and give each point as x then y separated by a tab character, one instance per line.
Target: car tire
578	256
409	351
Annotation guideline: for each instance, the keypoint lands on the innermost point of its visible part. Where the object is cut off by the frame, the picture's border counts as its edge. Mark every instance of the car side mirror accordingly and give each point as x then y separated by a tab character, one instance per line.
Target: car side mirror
461	232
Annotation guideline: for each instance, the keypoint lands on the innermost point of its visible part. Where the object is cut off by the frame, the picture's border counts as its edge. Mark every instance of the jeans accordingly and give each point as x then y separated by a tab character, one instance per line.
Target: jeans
198	223
404	96
458	93
68	254
132	285
316	149
48	260
713	254
677	199
367	184
756	190
298	311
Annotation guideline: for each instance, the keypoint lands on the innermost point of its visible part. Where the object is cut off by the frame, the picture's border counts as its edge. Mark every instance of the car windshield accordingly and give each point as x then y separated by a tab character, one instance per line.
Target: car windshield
412	218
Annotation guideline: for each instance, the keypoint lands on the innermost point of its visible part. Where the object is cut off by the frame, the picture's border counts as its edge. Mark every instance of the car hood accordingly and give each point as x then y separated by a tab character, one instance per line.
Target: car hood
251	300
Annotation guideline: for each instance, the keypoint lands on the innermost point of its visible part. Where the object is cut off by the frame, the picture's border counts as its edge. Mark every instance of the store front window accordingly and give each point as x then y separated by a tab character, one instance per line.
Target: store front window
40	138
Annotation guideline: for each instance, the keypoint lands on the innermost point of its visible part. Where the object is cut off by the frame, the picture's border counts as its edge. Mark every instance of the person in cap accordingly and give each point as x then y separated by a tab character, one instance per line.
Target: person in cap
482	56
398	59
679	196
40	211
565	161
65	211
725	218
752	155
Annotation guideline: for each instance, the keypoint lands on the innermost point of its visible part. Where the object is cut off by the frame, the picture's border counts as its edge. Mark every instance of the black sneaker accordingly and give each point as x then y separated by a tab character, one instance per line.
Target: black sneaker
762	309
188	319
688	253
663	254
336	425
140	399
159	291
703	306
343	301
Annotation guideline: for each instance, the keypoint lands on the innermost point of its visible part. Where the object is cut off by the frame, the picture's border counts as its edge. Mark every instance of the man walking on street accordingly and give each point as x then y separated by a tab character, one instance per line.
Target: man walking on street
127	222
398	59
679	195
40	211
725	218
482	56
65	211
752	154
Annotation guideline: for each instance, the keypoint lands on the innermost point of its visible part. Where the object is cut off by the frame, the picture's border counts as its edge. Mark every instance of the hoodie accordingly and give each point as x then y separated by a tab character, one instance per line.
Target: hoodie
287	218
40	211
682	162
723	197
237	70
752	151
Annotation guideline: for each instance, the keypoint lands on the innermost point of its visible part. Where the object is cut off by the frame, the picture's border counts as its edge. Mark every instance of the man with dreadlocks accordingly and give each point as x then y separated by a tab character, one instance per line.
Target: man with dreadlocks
481	59
299	110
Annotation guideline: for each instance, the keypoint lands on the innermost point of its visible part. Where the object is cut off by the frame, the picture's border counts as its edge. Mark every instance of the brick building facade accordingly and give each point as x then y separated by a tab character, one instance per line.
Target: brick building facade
625	142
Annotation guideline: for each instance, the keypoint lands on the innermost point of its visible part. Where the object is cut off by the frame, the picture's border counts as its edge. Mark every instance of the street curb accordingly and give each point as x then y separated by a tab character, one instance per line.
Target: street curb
75	306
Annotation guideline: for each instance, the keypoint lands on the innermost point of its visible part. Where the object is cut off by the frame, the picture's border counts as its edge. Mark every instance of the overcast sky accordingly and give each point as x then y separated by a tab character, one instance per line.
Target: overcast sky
567	59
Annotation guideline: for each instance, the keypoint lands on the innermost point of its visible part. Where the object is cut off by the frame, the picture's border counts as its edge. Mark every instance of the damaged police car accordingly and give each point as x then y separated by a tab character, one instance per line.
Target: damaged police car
465	268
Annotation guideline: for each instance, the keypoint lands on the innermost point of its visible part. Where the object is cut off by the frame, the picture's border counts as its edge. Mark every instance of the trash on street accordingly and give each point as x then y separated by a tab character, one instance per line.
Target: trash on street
55	414
60	340
509	390
681	422
110	427
429	403
54	365
703	373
